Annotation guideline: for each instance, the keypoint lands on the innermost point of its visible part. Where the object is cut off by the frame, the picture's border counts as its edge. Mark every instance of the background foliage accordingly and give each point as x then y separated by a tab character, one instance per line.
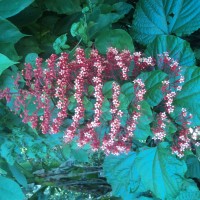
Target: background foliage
41	27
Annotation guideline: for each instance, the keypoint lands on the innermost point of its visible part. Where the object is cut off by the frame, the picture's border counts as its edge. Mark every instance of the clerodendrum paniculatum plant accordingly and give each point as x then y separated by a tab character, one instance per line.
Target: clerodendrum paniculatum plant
102	91
141	109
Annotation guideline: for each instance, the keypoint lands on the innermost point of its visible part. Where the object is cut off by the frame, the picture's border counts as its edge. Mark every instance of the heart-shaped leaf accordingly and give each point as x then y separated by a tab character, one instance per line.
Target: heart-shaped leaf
164	17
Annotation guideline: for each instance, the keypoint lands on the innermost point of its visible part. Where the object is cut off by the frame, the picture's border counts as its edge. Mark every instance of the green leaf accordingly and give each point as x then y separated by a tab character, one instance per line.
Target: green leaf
7	80
5	62
160	171
90	90
99	22
188	195
63	7
189	96
114	38
106	115
122	175
107	89
65	23
29	45
87	104
170	129
145	198
128	90
6	151
60	44
2	172
79	155
124	102
27	16
188	191
153	83
143	130
66	151
17	174
177	48
9	32
12	7
8	49
193	165
164	17
10	189
80	29
122	8
197	53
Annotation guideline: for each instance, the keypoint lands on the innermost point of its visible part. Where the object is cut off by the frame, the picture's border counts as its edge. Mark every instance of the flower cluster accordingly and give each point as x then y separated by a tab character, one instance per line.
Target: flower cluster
184	139
79	89
5	94
111	141
141	61
50	86
159	131
174	84
140	91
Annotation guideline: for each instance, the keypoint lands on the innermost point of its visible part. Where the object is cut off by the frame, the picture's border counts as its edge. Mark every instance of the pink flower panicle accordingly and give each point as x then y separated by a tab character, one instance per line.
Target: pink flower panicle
5	94
139	88
88	134
79	89
111	142
141	63
174	84
159	131
51	83
184	135
121	61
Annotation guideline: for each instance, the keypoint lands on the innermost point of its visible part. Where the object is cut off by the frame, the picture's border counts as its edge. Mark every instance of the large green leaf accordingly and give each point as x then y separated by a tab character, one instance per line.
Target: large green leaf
163	17
193	164
160	171
177	48
10	190
18	175
12	7
189	96
100	22
27	16
188	195
80	155
63	7
9	32
6	151
114	38
29	45
121	173
121	8
153	83
189	191
5	62
8	49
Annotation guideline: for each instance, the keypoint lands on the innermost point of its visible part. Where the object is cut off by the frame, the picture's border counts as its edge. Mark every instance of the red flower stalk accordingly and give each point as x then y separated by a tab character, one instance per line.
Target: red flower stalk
159	131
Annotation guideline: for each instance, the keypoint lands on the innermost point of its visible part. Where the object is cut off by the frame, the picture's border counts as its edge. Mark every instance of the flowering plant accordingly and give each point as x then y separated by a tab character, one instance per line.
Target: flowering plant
99	92
93	85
